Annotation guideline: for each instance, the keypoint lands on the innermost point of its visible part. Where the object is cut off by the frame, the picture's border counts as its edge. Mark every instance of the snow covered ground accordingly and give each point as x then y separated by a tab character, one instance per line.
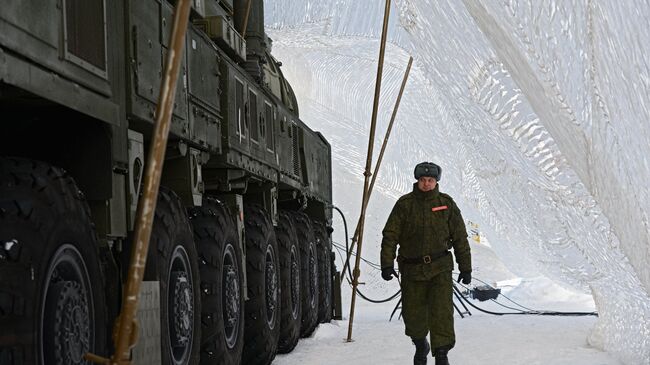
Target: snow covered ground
481	338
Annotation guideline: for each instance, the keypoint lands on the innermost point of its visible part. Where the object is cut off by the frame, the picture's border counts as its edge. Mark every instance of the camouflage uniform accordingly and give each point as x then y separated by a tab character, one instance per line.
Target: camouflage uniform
426	225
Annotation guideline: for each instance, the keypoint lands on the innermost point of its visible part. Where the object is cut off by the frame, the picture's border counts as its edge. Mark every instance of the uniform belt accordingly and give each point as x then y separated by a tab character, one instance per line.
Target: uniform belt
426	259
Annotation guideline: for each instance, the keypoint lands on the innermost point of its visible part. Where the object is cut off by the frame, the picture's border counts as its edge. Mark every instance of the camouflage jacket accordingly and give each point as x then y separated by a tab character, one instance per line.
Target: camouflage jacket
425	223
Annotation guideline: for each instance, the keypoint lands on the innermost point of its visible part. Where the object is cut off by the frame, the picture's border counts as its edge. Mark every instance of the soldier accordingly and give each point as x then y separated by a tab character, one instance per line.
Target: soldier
426	224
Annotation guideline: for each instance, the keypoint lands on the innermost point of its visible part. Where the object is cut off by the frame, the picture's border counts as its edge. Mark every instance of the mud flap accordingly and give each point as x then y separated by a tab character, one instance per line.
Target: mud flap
336	290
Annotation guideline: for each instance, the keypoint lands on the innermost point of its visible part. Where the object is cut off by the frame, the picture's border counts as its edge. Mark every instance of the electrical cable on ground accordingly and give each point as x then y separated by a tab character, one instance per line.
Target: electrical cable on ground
512	301
375	266
507	307
370	263
527	310
377	301
536	313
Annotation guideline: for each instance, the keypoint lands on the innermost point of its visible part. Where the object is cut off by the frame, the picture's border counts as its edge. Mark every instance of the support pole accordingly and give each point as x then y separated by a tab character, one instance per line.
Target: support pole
125	330
366	173
458	296
381	157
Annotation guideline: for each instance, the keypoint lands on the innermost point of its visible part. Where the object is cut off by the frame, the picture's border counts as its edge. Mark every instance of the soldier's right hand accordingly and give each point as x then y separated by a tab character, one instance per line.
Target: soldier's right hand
387	273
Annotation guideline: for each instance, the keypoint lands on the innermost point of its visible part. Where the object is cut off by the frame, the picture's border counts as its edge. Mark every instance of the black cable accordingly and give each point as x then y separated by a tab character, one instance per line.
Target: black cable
532	312
512	301
347	248
381	300
370	263
378	267
348	254
483	310
526	308
505	306
338	250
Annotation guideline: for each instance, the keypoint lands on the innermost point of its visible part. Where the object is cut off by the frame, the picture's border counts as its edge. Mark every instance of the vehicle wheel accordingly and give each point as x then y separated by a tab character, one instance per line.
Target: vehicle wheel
308	273
173	262
324	273
290	279
222	282
52	301
263	308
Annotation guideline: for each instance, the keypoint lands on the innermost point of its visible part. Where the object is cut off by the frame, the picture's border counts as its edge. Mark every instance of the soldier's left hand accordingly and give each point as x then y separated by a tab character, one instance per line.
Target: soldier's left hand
465	276
387	273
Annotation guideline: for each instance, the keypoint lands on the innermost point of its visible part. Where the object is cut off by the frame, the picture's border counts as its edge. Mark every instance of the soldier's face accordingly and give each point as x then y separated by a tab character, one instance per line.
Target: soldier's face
426	183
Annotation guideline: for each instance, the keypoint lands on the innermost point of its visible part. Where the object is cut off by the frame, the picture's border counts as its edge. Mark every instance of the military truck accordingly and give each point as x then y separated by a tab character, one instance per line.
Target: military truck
240	264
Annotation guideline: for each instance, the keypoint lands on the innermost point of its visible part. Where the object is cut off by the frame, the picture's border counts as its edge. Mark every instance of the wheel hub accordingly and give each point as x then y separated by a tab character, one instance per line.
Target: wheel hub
313	276
67	318
180	301
231	298
71	329
295	283
182	307
271	288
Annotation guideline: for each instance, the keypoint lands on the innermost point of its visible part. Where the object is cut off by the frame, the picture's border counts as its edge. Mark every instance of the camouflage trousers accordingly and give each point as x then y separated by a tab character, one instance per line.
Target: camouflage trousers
427	307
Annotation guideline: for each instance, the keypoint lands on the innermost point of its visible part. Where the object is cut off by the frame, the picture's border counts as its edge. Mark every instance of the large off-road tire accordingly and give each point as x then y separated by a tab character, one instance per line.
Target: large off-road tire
290	279
324	272
52	301
222	283
263	308
308	272
173	261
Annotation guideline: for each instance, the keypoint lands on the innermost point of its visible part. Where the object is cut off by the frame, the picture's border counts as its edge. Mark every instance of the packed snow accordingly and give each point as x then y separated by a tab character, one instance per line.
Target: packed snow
537	112
481	338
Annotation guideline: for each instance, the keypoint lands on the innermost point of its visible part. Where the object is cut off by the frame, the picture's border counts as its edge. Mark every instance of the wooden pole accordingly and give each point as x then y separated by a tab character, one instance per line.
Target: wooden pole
366	173
125	331
381	156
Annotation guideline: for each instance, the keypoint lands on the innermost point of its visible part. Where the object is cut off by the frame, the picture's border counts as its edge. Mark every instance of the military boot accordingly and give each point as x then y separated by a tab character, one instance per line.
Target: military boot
441	356
421	351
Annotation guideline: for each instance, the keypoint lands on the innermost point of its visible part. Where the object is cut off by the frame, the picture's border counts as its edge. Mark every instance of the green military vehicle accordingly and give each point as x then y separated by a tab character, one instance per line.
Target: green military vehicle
240	264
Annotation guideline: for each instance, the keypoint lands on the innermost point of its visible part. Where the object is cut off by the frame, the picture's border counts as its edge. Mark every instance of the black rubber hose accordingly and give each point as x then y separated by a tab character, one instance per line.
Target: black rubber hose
347	259
381	300
347	247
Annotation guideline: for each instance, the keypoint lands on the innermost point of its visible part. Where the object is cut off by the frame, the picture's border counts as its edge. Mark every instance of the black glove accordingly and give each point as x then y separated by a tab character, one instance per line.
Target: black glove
387	273
465	276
